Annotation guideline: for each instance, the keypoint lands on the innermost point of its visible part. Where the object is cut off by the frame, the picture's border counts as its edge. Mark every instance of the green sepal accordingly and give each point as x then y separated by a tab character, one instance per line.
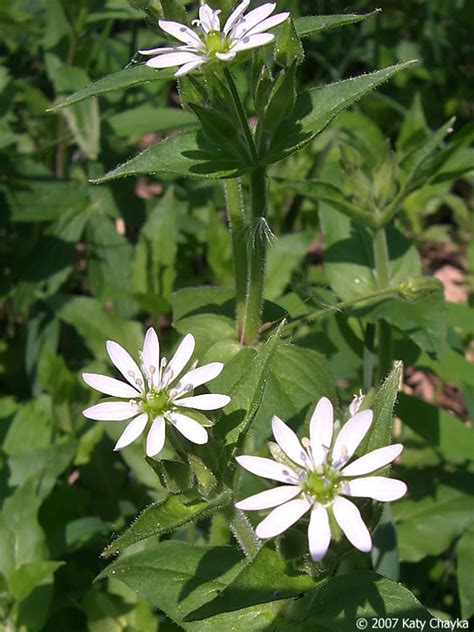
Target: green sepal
282	98
288	47
205	479
263	88
174	10
220	129
190	91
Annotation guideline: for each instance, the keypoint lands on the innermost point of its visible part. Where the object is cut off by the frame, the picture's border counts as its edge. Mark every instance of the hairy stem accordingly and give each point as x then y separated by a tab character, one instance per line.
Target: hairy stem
257	254
239	233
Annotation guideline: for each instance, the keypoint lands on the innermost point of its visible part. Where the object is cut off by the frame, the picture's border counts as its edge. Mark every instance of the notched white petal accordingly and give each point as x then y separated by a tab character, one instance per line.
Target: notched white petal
111	411
180	32
199	376
373	460
156	437
288	441
131	433
252	41
181	357
172	59
349	519
235	15
269	23
188	427
109	385
204	402
377	487
320	429
125	364
151	356
319	532
282	518
350	436
247	22
269	498
267	468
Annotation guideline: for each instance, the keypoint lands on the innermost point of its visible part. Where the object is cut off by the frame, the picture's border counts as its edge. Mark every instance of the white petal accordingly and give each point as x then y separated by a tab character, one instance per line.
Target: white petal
373	460
282	518
288	441
180	359
349	519
252	41
109	385
187	68
350	436
319	532
162	49
209	19
199	376
268	498
226	56
172	59
204	402
151	356
131	433
235	15
189	428
180	32
269	23
252	18
125	364
111	411
321	429
267	468
376	487
156	437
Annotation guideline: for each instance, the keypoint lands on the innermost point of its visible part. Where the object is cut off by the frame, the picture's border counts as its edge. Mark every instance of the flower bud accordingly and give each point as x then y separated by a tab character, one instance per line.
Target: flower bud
417	288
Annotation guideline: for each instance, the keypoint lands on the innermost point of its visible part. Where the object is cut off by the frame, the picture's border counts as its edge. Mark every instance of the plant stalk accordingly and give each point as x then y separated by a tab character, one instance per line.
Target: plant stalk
239	233
241	114
384	331
257	255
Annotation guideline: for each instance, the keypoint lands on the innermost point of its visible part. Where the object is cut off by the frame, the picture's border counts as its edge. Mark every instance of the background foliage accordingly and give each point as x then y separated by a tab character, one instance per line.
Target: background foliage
81	263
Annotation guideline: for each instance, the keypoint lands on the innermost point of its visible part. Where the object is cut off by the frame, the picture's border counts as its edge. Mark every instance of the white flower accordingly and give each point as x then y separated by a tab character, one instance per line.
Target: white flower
209	43
319	479
153	395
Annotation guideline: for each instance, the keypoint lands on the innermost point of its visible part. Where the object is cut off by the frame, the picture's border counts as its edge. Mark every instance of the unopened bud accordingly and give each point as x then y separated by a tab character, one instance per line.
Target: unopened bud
417	288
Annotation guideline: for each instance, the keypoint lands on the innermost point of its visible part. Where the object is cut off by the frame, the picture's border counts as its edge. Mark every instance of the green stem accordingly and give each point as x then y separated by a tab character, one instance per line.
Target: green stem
239	230
257	255
343	305
240	111
244	534
382	271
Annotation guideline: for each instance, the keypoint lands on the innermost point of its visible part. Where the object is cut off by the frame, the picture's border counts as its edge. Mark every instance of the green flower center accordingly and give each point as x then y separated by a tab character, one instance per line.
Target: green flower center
155	403
323	487
215	42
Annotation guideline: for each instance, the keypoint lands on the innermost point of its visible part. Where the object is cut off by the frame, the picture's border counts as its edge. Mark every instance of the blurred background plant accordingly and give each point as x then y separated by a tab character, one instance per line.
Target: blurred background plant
81	263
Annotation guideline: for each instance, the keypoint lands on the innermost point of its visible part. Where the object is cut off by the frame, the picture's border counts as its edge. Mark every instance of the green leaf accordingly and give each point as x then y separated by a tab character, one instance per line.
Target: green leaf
121	80
438	513
465	572
288	47
446	433
188	576
96	324
380	433
133	123
316	108
154	269
384	553
346	599
190	154
317	23
263	579
28	576
165	516
45	200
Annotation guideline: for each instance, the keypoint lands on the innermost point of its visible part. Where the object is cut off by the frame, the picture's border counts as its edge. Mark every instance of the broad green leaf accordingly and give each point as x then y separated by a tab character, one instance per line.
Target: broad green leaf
96	324
465	572
316	108
263	579
384	553
430	523
284	256
449	435
154	269
188	576
347	599
23	435
45	200
163	517
190	154
380	434
121	80
135	122
29	575
308	25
